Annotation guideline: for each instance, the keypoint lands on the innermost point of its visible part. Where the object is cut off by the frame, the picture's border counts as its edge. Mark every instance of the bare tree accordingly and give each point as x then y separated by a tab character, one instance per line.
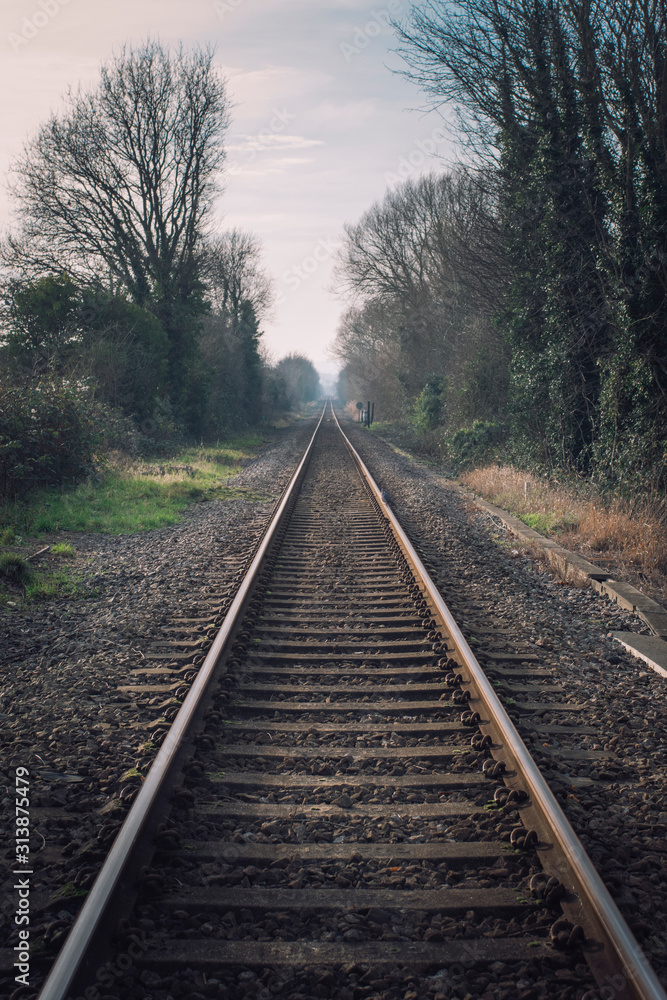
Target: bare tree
426	268
118	186
233	273
426	236
367	343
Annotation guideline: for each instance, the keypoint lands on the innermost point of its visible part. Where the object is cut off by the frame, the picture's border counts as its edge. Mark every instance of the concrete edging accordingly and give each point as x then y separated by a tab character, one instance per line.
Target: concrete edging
652	649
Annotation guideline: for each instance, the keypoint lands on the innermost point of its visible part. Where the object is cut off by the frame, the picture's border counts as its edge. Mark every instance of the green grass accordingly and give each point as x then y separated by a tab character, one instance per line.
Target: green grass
45	585
131	773
22	583
548	522
135	495
62	549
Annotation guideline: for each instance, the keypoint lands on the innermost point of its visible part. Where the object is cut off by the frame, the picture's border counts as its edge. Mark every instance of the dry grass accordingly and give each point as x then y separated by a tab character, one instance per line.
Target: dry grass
628	538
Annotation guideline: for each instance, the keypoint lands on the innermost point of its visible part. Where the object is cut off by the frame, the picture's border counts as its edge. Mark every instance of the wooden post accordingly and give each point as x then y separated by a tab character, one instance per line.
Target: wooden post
368	413
372	412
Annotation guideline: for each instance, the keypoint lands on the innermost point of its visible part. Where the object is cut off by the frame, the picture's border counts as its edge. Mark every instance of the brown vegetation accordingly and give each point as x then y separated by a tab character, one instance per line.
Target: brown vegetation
628	538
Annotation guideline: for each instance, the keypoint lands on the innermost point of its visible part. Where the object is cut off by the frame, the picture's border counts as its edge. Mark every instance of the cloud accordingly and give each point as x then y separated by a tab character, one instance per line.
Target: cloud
263	142
254	88
290	161
350	113
274	166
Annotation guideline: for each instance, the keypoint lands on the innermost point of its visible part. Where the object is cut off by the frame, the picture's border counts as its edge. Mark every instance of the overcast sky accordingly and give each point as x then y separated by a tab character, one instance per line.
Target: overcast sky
320	127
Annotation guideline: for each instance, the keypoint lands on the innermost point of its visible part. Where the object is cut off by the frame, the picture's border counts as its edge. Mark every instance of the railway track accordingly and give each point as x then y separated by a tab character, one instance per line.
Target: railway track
342	807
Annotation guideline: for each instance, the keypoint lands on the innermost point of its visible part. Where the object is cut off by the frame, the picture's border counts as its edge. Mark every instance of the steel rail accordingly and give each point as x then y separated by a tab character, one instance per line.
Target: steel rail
72	954
643	984
639	979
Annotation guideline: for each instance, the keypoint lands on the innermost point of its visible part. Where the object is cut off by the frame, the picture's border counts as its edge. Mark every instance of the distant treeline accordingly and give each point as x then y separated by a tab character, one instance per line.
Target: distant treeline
126	318
523	298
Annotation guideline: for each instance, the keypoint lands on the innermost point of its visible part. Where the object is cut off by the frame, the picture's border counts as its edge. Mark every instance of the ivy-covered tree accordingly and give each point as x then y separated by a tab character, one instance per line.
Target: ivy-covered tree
565	101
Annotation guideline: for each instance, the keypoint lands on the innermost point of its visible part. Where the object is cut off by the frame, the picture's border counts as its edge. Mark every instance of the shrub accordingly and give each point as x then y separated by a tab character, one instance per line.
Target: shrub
427	412
123	349
47	435
15	569
476	445
41	318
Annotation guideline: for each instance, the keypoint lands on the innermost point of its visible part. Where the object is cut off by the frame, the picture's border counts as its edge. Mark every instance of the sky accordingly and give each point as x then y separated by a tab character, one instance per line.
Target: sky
321	126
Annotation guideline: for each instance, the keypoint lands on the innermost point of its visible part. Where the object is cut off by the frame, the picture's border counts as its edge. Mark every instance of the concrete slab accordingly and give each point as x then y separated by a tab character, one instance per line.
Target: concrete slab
657	621
564	560
628	597
620	593
649	648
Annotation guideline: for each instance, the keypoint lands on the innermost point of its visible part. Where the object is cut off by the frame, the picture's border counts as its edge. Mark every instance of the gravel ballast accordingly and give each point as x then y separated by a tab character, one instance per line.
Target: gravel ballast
617	807
62	663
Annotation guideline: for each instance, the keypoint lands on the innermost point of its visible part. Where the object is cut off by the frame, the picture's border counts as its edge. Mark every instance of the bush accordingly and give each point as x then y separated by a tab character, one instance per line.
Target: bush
41	315
123	349
476	445
15	569
427	412
48	435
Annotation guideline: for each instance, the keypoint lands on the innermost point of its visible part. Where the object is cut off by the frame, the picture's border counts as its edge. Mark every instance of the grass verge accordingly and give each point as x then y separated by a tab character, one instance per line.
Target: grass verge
134	495
21	582
633	533
131	495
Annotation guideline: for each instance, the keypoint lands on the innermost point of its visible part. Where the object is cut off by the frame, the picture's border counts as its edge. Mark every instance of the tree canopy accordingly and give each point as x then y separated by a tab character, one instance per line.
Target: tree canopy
561	107
117	189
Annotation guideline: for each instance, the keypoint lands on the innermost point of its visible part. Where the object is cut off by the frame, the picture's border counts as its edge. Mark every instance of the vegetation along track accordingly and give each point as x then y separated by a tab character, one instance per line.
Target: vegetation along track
342	808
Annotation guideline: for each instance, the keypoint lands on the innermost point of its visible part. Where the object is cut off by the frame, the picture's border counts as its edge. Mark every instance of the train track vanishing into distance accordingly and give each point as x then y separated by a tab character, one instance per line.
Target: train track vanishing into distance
342	807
